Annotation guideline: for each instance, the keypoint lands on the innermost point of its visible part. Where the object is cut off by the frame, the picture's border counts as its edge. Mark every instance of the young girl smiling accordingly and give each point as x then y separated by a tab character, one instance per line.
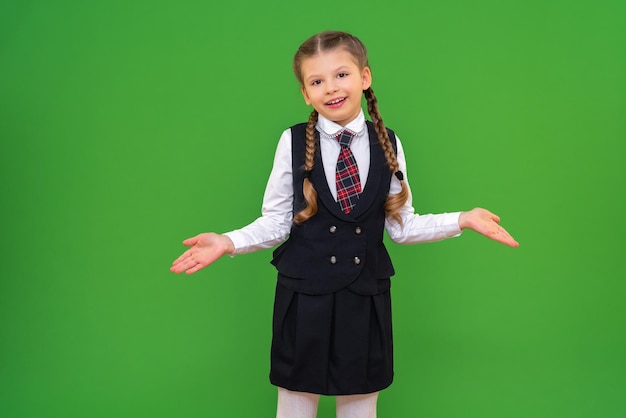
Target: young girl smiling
337	183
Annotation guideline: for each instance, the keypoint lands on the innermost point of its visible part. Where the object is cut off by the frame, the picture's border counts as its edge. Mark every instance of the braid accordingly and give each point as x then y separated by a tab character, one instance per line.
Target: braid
310	194
310	141
396	201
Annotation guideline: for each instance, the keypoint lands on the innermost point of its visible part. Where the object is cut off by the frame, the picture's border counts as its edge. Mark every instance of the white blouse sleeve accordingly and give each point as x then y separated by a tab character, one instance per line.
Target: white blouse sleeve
274	224
417	228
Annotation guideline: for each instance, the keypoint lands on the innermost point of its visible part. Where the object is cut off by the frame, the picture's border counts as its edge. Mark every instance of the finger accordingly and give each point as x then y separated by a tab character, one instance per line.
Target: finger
176	269
192	265
183	257
493	217
184	265
194	269
180	265
509	241
505	238
190	241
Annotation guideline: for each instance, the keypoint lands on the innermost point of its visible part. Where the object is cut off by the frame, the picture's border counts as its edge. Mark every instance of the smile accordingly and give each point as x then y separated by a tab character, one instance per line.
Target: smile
336	101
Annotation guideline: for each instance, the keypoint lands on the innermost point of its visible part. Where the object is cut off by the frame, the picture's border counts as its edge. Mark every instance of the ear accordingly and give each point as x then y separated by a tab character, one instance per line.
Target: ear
307	100
366	75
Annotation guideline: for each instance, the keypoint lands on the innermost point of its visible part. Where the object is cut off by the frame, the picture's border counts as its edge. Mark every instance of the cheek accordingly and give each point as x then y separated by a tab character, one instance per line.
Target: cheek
306	96
314	94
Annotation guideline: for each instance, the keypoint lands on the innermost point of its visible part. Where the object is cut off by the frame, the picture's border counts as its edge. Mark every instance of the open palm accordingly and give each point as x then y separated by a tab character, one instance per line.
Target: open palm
487	224
204	250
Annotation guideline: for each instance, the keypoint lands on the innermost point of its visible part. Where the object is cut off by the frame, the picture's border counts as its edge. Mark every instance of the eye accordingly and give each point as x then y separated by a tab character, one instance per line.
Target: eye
342	75
316	82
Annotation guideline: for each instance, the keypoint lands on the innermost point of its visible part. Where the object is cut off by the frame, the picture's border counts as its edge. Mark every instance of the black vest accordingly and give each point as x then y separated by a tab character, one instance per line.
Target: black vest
333	250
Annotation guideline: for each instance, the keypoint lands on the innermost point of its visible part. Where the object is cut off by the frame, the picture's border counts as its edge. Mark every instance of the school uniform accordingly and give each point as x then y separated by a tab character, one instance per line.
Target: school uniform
332	330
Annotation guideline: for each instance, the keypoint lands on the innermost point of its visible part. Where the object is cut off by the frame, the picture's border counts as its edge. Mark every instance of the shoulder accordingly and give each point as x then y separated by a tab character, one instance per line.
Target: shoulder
294	131
299	125
390	132
298	132
370	126
298	129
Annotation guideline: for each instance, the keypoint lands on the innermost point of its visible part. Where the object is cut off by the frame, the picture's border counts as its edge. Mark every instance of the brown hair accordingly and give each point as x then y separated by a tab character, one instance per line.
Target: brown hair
328	41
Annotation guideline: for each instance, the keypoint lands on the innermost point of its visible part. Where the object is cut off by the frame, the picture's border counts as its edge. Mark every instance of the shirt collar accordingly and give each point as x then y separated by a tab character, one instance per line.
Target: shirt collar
330	129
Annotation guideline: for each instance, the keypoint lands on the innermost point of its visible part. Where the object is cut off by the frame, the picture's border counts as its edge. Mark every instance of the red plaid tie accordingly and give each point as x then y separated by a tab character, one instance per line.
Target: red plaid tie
347	174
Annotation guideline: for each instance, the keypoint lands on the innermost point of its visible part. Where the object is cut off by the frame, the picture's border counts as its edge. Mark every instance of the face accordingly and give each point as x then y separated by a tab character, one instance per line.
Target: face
333	84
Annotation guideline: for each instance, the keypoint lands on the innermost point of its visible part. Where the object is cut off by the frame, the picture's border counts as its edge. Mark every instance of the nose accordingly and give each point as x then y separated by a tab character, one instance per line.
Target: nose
331	87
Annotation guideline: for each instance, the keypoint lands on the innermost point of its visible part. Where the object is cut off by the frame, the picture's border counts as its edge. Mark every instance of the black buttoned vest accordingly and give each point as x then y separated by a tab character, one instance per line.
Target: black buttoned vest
332	250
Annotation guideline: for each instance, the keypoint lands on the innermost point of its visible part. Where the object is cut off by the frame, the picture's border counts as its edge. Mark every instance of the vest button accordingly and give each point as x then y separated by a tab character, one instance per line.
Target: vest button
333	260
358	230
333	229
357	260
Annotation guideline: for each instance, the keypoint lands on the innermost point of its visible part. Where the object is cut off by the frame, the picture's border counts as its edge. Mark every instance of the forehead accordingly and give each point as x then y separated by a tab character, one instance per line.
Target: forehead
328	61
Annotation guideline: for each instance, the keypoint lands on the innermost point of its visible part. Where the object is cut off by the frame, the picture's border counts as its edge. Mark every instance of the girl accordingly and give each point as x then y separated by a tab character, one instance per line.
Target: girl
337	183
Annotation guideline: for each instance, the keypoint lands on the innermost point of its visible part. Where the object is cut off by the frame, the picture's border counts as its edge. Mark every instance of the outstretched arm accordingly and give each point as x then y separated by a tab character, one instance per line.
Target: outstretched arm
487	224
205	249
265	232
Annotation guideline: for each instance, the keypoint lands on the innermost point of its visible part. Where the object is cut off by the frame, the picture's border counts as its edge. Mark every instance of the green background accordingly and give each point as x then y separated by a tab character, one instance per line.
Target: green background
114	148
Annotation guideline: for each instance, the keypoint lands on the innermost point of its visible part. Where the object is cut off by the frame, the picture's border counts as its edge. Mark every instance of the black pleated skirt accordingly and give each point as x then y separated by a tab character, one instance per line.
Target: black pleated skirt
335	344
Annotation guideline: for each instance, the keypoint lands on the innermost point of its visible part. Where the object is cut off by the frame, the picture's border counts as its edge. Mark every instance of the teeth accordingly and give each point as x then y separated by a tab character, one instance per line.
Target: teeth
335	101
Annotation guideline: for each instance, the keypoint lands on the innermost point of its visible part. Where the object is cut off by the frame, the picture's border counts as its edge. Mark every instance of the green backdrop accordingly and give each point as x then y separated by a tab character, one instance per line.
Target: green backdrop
114	119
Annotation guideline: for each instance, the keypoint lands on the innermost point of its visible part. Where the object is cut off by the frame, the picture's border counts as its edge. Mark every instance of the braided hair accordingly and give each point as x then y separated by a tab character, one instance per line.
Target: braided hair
328	41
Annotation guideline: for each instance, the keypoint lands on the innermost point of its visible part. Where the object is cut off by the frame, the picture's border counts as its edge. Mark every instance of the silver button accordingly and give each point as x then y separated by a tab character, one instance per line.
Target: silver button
358	230
333	229
357	260
333	260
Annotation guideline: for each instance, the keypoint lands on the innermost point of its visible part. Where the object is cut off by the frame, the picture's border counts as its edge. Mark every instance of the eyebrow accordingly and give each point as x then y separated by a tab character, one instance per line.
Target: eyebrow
338	69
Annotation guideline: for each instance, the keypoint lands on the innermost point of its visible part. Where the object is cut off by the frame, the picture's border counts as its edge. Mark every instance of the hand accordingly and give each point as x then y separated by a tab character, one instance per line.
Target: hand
205	249
486	223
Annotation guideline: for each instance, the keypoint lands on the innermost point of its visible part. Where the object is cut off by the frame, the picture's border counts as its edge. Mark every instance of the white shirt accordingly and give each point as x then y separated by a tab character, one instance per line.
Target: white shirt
274	225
